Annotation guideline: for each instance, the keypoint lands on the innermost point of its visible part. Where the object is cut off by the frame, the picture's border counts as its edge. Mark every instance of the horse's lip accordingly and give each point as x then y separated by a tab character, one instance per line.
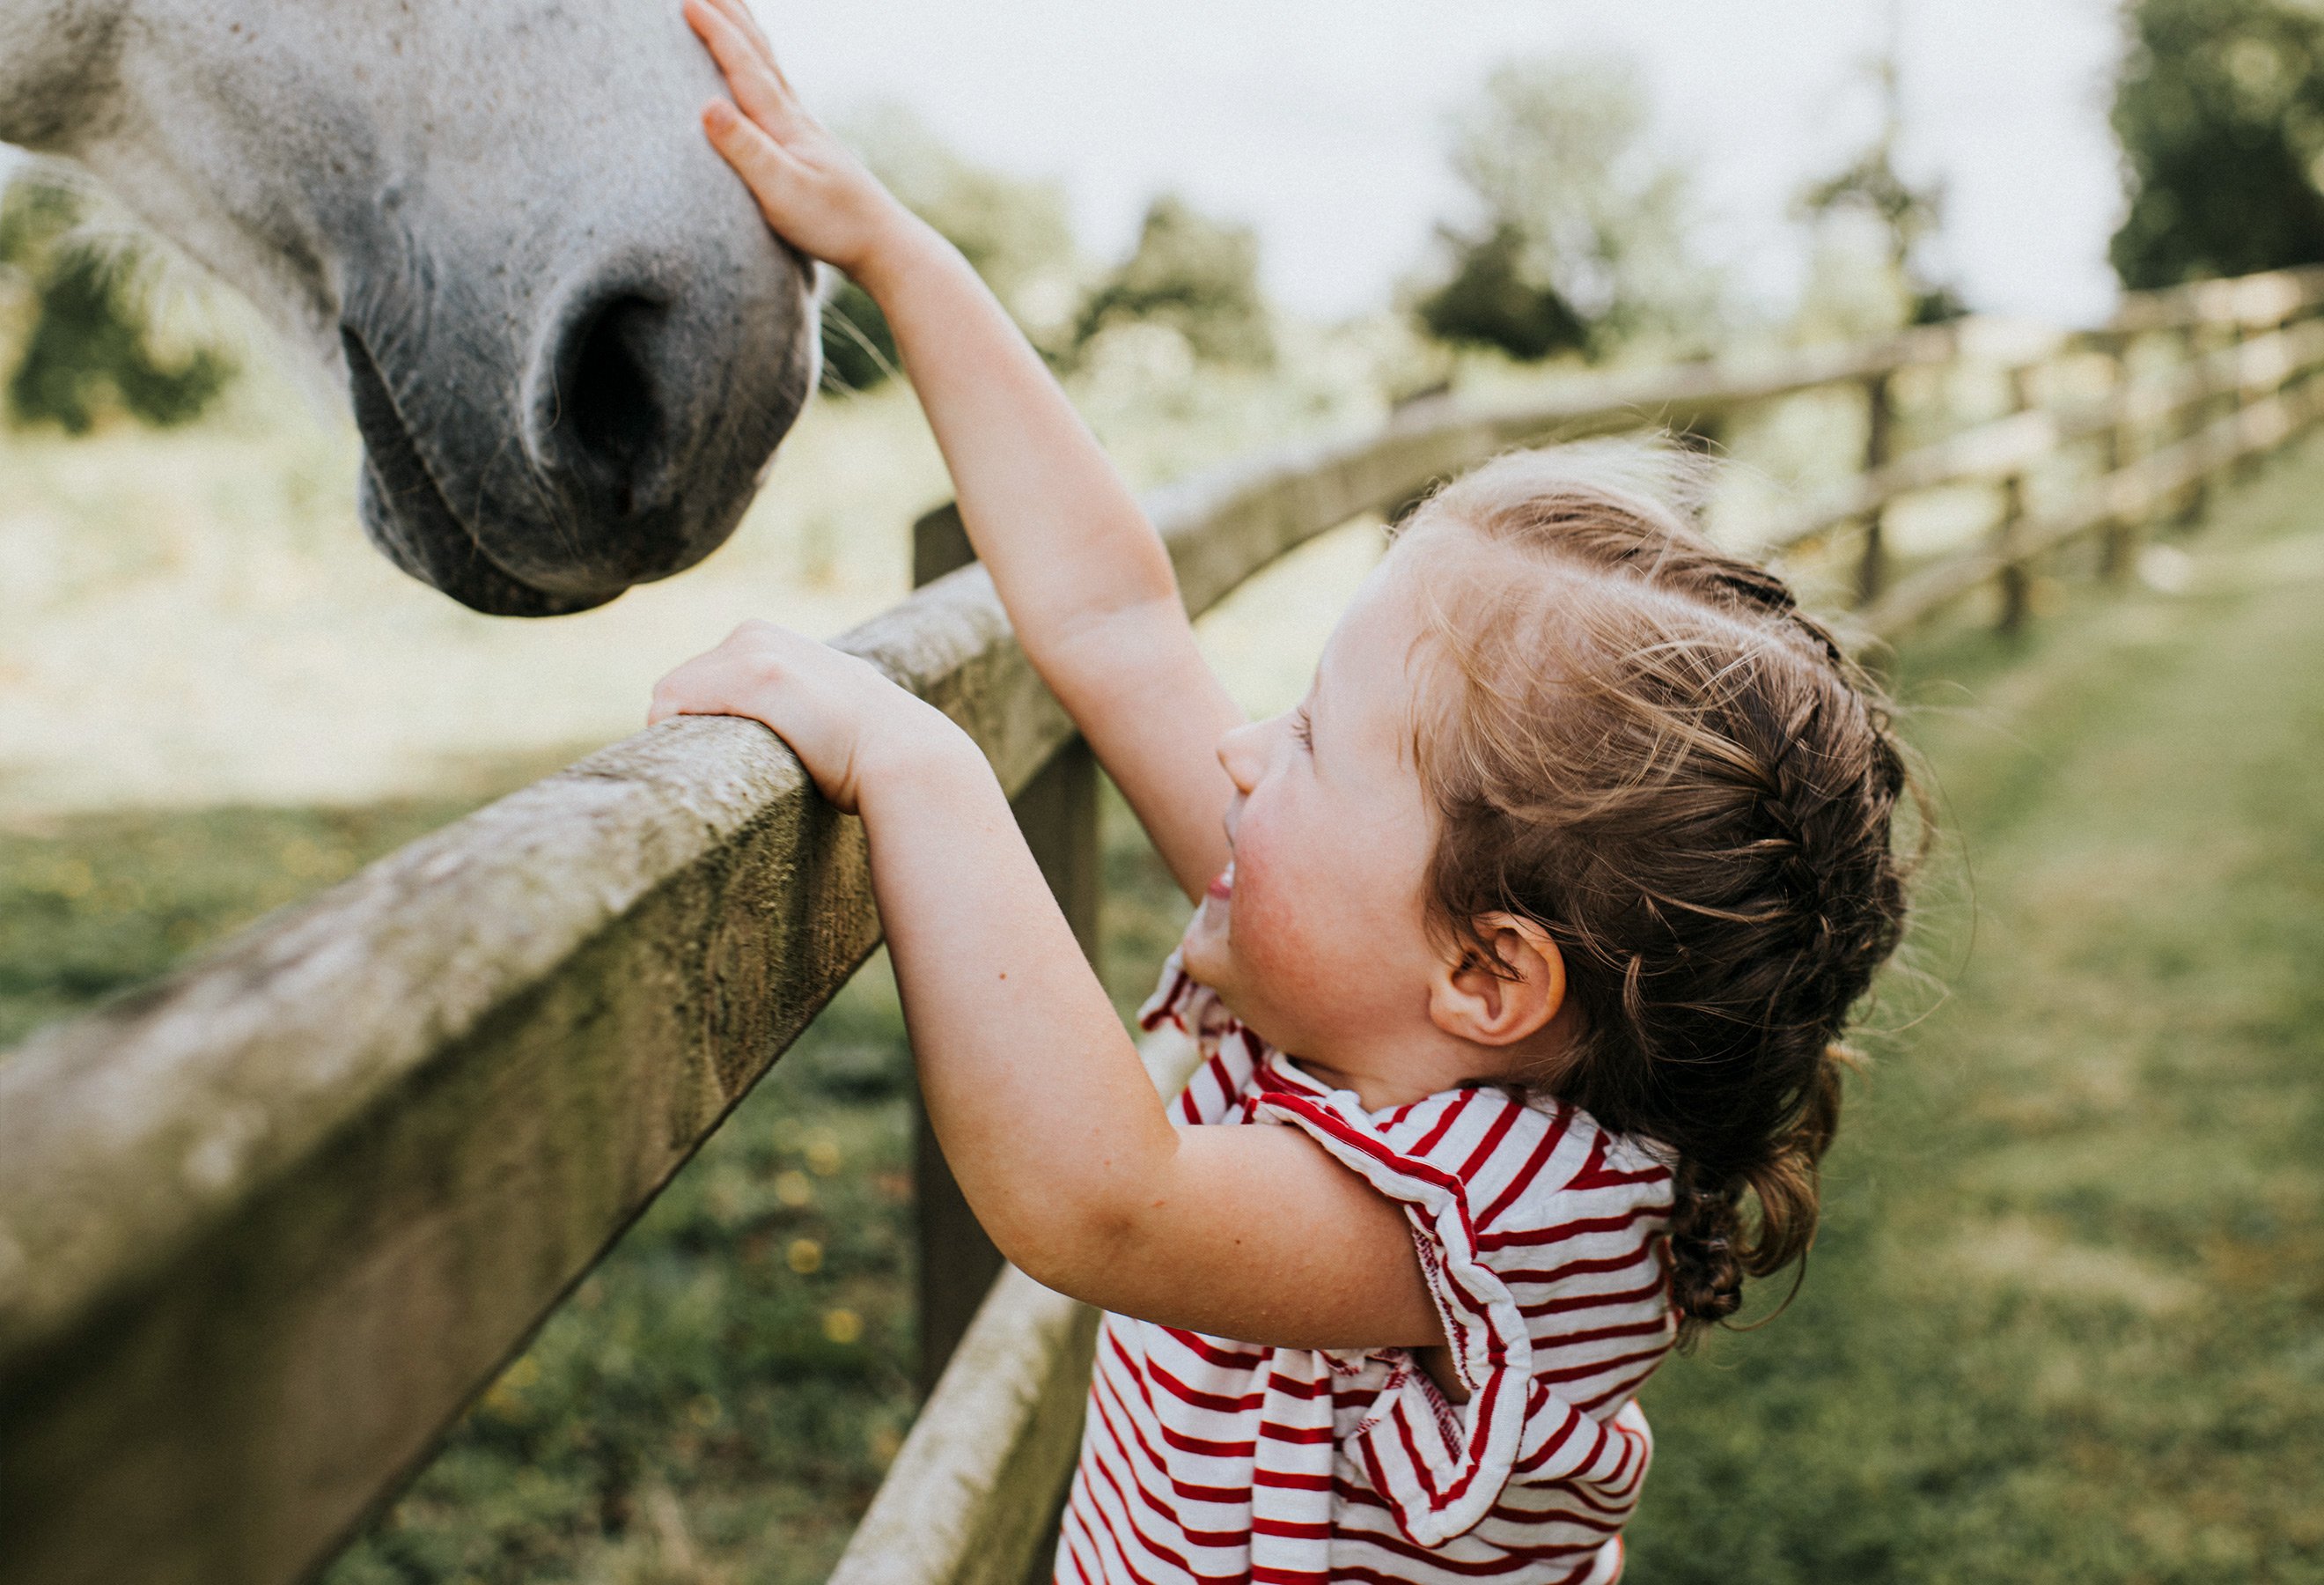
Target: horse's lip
407	516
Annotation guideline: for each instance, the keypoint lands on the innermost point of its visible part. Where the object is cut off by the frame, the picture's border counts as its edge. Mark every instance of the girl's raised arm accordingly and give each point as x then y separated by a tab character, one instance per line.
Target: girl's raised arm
1082	574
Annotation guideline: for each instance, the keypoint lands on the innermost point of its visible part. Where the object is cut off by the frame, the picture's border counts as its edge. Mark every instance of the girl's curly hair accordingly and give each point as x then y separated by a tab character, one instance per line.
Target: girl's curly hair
1654	754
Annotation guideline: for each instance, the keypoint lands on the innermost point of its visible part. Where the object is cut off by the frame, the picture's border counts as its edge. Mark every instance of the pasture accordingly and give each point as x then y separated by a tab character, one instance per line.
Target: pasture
2062	1324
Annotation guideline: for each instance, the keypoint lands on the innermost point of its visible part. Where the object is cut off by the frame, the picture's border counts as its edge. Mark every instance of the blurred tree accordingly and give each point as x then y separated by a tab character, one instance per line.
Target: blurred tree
858	349
1014	232
2220	112
89	347
1196	275
1904	215
1490	302
1584	238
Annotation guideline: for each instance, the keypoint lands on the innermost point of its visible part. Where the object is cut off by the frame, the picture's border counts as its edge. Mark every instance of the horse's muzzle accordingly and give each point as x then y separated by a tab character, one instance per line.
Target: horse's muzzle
620	443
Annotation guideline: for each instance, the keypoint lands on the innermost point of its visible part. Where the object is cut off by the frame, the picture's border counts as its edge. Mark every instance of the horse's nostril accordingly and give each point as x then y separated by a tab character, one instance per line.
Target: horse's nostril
610	410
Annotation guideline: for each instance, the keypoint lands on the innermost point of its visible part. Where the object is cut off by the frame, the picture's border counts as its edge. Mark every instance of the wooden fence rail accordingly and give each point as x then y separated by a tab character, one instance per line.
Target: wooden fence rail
267	1226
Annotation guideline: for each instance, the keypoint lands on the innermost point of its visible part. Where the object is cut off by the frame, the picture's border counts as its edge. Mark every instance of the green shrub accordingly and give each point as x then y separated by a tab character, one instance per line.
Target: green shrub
2220	113
1582	242
1014	232
1196	275
90	348
1490	302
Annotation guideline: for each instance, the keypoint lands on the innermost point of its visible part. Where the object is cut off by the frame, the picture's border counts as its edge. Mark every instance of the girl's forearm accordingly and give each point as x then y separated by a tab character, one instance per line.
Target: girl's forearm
1043	1111
1065	541
1085	578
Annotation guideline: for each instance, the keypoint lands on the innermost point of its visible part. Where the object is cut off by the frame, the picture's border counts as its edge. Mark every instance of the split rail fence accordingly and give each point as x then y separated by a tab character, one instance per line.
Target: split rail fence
267	1227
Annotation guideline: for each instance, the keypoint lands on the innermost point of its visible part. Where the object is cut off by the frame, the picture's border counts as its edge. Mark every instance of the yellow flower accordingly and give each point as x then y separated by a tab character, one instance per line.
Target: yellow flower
823	1155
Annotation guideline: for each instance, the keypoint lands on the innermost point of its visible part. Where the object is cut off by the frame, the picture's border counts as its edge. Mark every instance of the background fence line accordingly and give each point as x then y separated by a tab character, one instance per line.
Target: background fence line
267	1226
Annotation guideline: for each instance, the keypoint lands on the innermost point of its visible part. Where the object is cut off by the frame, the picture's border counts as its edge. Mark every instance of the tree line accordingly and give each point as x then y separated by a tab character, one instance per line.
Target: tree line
1574	238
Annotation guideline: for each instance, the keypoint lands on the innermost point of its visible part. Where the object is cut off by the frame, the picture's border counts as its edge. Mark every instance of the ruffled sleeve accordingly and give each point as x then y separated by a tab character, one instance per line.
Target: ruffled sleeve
1230	1052
1460	1162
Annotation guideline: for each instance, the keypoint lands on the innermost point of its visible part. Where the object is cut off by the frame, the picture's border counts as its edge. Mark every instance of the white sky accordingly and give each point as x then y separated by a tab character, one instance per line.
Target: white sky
1322	124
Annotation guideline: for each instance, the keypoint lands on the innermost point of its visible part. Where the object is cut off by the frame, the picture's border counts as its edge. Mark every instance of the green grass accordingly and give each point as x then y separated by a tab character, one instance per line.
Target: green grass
2066	1322
91	904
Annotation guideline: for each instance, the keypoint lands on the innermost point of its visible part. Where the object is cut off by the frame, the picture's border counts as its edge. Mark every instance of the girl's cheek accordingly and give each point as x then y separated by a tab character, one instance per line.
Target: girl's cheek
1263	926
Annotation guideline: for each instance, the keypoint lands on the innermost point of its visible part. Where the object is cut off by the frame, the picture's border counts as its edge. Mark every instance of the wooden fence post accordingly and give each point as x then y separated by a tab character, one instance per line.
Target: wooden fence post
2193	416
1057	812
2016	577
2248	390
1879	442
2118	448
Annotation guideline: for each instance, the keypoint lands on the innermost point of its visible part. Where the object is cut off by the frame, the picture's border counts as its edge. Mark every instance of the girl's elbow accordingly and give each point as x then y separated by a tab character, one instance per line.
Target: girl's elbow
1076	1252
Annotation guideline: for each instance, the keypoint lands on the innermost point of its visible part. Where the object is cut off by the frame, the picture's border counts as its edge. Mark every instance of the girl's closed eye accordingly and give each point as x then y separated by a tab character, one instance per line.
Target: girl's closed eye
1303	727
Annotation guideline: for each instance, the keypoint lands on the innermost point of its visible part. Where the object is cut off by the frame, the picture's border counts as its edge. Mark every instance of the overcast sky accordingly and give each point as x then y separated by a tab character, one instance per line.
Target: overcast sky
1321	122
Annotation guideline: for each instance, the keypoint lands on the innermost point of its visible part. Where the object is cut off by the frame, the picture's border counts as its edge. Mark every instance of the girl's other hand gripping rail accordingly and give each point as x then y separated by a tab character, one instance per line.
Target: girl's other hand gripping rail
1045	1113
1084	576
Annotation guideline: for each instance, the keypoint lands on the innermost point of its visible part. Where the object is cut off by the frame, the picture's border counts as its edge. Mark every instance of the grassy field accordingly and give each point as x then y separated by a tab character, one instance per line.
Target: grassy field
2066	1322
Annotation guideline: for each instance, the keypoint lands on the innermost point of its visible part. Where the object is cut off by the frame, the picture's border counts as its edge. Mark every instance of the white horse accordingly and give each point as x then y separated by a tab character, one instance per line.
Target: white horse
570	341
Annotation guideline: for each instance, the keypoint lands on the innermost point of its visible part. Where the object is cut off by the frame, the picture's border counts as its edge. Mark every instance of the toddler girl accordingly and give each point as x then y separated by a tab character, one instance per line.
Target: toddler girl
1531	930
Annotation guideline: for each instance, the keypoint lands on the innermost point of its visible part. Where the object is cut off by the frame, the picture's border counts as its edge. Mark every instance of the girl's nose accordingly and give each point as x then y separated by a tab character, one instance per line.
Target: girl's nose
1243	753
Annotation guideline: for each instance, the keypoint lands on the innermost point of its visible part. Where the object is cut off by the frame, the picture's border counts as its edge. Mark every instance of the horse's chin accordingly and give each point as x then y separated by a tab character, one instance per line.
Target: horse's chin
405	515
432	546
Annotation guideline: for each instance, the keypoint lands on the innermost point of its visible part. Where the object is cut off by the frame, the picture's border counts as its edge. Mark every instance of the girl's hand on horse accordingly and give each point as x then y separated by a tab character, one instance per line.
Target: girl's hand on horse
813	190
849	724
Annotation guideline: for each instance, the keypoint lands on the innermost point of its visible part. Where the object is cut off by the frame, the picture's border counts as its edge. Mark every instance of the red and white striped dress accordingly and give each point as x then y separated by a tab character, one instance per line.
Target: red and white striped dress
1207	1459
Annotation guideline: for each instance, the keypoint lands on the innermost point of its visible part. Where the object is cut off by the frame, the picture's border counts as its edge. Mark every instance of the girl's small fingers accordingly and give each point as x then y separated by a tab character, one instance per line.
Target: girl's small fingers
761	160
757	88
746	26
739	12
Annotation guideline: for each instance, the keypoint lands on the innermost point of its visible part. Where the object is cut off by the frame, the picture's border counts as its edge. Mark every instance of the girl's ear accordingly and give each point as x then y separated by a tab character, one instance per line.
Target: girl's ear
1471	1000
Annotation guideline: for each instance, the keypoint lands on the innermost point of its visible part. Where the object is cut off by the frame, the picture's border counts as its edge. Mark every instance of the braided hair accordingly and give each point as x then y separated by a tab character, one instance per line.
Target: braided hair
1656	755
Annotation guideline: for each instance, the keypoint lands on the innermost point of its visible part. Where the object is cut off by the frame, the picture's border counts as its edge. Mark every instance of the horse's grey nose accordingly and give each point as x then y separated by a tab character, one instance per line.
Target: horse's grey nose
612	410
607	406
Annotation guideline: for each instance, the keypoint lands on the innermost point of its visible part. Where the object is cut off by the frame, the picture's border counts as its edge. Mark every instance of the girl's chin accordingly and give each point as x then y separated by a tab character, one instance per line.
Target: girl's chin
1203	949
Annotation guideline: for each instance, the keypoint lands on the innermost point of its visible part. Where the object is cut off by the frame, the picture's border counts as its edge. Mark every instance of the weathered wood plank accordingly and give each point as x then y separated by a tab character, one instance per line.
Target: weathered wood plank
2129	493
2254	302
974	1495
265	1227
279	1217
1997	449
955	1262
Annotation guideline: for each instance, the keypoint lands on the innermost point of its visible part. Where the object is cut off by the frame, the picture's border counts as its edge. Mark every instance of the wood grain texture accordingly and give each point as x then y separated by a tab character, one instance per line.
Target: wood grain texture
973	1495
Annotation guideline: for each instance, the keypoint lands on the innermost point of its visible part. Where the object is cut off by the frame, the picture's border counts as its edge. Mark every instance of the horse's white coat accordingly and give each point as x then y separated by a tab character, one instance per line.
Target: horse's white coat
570	339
